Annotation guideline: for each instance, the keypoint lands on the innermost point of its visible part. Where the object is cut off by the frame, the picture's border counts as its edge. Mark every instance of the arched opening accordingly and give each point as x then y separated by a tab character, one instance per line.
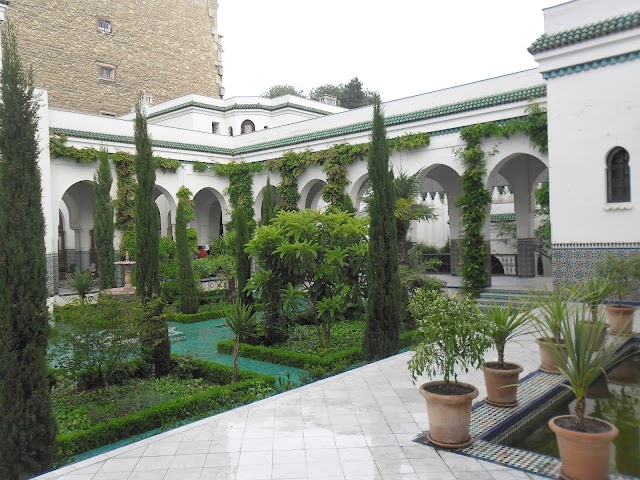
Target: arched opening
76	212
166	211
618	176
209	211
311	196
247	127
260	200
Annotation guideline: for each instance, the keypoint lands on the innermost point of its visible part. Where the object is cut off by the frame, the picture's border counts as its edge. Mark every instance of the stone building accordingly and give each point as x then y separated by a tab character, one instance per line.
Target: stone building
100	56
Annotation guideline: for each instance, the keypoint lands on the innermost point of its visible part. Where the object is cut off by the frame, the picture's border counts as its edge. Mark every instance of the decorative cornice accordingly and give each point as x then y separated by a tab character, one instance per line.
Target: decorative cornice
587	32
238	106
583	67
600	245
107	137
502	217
421	115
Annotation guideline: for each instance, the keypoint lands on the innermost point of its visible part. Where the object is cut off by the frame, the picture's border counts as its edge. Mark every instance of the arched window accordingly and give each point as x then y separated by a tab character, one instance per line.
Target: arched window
231	131
247	127
618	176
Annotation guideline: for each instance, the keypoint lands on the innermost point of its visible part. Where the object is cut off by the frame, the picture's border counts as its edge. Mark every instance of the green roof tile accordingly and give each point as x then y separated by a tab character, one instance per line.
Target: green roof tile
587	32
503	217
238	106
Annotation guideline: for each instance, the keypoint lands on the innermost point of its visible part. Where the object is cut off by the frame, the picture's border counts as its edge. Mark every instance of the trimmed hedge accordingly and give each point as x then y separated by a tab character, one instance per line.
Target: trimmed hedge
347	356
209	314
217	399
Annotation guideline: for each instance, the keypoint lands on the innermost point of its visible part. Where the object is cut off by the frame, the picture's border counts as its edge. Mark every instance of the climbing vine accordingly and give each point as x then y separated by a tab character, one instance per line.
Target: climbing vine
240	189
475	198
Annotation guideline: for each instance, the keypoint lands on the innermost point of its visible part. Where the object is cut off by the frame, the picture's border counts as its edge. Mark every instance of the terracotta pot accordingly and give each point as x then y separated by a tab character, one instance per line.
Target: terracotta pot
584	456
449	416
601	336
502	385
547	360
620	318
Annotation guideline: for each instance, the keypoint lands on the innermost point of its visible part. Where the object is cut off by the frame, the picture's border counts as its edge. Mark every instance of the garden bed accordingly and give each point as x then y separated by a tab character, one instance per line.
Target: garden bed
102	416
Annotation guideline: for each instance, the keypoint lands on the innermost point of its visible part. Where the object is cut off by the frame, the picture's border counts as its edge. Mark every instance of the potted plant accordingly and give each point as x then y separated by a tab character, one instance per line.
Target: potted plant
62	272
584	442
624	274
553	308
500	377
451	333
594	292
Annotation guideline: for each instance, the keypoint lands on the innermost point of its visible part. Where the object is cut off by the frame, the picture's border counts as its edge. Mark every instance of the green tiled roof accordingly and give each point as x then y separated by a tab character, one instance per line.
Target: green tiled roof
583	67
521	95
239	106
503	217
588	32
107	137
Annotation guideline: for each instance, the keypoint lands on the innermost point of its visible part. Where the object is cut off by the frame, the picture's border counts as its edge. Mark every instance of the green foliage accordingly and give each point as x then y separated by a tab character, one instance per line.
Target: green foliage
304	339
280	90
154	338
581	359
95	341
126	183
451	332
352	95
81	283
210	312
413	278
27	426
104	227
622	272
593	292
320	254
553	307
291	165
200	167
189	300
243	262
58	149
146	214
505	323
244	323
383	280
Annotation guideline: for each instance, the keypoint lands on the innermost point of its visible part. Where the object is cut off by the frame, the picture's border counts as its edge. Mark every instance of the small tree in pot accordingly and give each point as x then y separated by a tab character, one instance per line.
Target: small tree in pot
451	333
624	274
593	292
501	378
584	442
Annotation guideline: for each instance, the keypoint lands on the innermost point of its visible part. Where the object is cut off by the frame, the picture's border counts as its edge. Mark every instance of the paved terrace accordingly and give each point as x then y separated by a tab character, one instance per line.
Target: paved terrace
358	425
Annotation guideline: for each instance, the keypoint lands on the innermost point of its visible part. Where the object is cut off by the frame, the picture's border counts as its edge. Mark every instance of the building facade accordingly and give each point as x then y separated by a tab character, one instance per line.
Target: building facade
100	56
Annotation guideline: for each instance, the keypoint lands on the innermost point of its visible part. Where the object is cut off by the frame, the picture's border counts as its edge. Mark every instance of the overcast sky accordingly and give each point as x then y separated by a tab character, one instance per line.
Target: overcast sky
397	47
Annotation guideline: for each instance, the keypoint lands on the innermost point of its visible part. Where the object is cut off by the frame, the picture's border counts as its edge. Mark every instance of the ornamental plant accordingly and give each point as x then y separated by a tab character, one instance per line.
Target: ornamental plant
593	292
243	322
623	273
104	226
189	298
505	323
81	283
452	332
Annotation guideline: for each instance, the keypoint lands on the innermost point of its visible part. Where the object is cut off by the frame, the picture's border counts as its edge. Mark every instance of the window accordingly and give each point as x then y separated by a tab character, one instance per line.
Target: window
104	25
247	127
215	127
618	176
107	73
107	114
231	131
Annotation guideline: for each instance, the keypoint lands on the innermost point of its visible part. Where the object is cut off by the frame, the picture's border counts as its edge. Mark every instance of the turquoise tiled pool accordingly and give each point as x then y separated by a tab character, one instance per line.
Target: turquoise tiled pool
200	342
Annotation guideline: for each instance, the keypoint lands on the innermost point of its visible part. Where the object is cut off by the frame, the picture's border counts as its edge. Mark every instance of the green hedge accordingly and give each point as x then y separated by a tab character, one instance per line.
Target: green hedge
209	314
347	356
218	373
219	398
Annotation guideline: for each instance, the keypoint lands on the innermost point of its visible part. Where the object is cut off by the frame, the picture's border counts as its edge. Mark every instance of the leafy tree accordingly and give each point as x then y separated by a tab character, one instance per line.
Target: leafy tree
147	221
244	323
353	95
383	307
189	298
27	427
268	204
328	89
154	338
104	226
280	90
317	259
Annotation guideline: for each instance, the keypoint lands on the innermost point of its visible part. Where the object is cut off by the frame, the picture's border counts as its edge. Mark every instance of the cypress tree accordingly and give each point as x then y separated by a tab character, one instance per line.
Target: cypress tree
147	221
268	204
383	282
104	227
189	298
27	426
243	262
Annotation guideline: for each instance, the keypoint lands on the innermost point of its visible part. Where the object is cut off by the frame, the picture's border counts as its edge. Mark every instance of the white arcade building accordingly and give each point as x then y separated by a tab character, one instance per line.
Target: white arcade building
587	79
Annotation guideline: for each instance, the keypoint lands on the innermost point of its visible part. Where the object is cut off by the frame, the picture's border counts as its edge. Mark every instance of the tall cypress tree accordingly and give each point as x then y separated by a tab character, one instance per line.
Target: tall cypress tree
383	281
268	204
189	298
147	221
240	221
104	227
27	426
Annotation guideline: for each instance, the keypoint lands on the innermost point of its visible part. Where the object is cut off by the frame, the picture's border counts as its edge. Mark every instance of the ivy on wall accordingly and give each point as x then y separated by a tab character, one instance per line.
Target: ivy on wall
475	198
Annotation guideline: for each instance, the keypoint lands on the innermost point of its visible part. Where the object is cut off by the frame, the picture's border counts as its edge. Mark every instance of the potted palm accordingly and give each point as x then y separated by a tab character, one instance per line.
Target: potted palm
584	442
451	333
624	274
593	293
553	308
500	377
